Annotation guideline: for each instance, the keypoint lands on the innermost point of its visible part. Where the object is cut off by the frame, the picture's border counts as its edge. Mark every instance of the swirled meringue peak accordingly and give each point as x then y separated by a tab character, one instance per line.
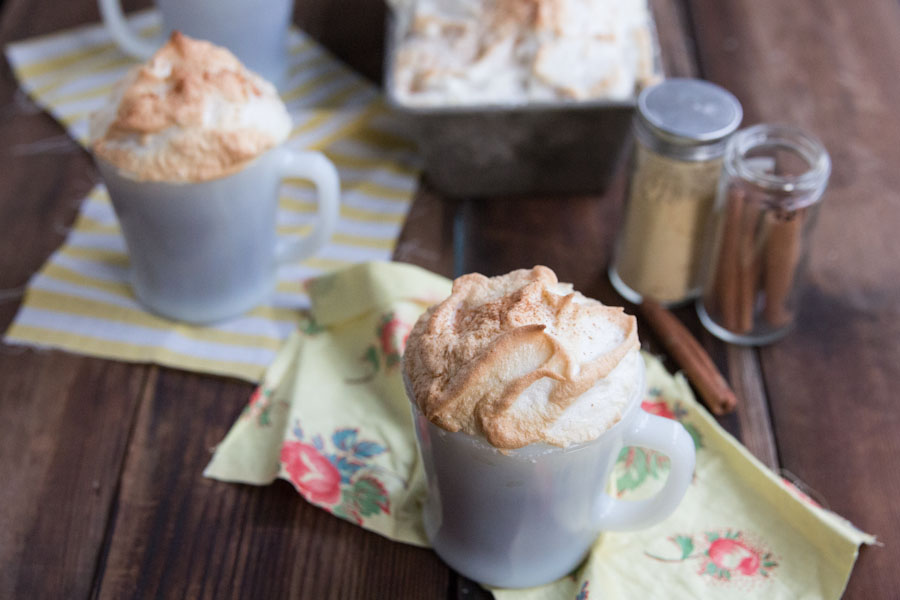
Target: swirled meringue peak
522	358
191	113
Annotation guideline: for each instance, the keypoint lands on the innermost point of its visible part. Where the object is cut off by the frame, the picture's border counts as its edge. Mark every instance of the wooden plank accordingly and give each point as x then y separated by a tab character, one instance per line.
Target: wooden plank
677	51
753	405
573	236
830	67
177	534
65	419
427	236
66	422
352	29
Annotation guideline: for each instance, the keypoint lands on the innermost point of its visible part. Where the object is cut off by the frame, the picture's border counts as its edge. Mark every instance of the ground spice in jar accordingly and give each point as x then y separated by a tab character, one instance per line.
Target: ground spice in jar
681	127
668	205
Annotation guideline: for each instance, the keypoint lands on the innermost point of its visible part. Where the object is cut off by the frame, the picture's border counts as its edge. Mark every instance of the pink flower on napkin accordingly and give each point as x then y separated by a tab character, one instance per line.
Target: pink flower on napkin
730	553
393	334
658	408
311	473
386	351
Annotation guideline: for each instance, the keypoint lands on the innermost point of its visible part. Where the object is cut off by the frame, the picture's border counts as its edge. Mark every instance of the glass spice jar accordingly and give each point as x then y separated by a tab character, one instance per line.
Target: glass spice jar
768	198
680	128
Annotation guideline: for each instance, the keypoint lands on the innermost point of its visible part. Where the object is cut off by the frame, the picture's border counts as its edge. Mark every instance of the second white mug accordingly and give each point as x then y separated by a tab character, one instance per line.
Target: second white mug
255	31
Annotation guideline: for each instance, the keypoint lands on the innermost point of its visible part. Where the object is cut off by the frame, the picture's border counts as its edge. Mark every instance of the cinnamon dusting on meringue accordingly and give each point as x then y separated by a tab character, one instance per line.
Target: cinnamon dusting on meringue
192	113
522	358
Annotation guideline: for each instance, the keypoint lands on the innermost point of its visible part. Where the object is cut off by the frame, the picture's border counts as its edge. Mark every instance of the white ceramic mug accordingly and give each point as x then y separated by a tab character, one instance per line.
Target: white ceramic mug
530	516
205	251
254	30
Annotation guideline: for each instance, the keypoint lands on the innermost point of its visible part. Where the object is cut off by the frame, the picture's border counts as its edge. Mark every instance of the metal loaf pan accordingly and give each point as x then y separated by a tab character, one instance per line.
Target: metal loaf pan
531	148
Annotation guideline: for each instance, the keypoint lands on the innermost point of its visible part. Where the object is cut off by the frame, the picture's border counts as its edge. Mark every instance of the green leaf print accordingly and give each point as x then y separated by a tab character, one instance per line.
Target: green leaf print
371	357
370	497
635	469
639	465
686	544
310	327
695	434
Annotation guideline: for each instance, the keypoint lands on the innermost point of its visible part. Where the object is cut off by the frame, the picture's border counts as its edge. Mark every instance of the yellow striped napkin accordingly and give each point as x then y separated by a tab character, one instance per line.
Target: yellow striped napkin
80	300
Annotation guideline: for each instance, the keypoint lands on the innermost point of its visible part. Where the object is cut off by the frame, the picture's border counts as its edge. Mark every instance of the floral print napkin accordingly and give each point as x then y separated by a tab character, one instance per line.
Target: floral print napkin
331	417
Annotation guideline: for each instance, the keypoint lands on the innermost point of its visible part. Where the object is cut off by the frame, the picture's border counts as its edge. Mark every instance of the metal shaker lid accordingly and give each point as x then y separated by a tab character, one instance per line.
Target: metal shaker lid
687	112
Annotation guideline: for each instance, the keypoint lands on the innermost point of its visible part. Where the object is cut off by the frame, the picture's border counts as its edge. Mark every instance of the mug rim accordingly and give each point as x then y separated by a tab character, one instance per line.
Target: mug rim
540	448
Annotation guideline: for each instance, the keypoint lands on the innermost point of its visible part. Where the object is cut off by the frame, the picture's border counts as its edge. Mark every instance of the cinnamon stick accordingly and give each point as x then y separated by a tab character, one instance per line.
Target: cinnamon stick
748	266
725	286
701	371
782	255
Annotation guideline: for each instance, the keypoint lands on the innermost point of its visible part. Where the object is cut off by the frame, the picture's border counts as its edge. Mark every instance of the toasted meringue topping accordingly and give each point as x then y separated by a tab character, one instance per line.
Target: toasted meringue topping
511	51
193	112
522	358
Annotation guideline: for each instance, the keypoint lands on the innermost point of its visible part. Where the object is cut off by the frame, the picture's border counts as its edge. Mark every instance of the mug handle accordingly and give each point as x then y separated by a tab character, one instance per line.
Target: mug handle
321	171
670	438
121	32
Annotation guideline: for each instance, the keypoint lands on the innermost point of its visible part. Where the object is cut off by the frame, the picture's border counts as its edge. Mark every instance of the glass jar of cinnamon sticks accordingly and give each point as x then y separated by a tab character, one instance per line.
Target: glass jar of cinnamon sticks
772	182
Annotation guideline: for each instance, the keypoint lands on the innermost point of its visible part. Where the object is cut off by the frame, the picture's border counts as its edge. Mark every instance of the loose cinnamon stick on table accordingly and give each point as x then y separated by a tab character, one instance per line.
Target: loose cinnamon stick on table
691	357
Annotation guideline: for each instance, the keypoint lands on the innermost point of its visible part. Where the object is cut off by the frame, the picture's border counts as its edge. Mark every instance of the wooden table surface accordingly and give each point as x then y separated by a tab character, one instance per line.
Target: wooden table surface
101	493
